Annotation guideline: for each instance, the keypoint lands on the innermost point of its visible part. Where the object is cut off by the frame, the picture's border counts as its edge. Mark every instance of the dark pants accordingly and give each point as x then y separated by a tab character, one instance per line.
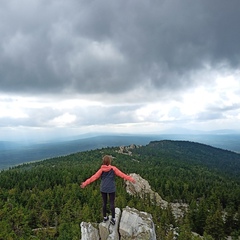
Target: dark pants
112	203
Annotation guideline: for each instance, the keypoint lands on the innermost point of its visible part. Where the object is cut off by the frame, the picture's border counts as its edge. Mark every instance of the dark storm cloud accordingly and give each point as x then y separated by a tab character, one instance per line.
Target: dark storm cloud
113	46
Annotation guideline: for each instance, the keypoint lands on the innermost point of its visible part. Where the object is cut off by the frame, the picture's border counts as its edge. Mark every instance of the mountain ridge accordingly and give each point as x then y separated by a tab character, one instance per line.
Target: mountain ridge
212	157
14	153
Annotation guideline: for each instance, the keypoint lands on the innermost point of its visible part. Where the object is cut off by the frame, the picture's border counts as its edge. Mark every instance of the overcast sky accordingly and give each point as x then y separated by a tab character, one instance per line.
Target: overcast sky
133	66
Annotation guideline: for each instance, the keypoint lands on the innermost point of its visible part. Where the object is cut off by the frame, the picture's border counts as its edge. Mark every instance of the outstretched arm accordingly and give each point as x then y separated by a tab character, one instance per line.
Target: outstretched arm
93	178
123	175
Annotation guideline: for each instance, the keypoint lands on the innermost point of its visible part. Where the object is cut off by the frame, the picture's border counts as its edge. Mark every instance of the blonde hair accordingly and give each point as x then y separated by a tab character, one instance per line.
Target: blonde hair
107	160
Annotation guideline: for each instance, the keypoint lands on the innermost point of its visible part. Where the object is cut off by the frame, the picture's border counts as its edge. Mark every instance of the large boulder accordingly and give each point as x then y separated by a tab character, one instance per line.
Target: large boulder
89	231
136	225
131	224
108	231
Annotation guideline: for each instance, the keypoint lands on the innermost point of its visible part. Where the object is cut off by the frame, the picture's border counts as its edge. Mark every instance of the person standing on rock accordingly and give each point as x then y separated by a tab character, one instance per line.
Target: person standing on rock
107	173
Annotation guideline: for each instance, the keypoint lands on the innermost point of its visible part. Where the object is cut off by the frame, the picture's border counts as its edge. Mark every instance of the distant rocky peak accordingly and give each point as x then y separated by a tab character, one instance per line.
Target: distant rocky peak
127	150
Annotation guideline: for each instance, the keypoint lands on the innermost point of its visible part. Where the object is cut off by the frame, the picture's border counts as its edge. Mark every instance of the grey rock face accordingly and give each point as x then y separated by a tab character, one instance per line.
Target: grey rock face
108	231
136	225
89	232
131	224
142	188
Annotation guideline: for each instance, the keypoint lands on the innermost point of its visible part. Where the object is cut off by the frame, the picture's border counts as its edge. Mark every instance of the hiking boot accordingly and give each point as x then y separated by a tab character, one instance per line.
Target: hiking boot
113	221
105	219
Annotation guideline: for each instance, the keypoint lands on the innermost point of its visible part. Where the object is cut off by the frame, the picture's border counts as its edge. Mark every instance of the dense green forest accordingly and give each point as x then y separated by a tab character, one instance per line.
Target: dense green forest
43	200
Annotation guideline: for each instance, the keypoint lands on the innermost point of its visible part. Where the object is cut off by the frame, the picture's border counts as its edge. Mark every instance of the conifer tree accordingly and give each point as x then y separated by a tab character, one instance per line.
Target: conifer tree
215	225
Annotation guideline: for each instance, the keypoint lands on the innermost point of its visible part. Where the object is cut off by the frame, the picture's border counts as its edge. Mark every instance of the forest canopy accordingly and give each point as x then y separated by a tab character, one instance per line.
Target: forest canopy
43	200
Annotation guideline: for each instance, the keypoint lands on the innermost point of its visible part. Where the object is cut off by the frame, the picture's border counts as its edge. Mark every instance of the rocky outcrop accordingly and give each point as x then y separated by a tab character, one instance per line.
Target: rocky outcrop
142	189
127	149
109	231
136	225
89	231
130	224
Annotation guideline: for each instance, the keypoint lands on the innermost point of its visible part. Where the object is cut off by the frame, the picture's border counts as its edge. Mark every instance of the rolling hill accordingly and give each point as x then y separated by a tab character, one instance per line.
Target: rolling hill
195	153
14	153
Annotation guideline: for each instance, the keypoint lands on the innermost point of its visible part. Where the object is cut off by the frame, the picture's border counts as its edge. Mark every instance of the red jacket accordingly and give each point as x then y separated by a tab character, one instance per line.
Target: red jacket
105	168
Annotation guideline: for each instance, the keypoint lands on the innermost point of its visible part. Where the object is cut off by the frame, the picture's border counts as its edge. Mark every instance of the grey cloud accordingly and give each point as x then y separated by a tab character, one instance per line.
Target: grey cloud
105	115
226	108
111	46
34	118
207	116
44	117
218	112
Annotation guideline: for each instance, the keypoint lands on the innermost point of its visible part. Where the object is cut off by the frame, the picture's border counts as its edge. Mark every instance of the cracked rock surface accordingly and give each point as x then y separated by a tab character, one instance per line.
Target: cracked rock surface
130	224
